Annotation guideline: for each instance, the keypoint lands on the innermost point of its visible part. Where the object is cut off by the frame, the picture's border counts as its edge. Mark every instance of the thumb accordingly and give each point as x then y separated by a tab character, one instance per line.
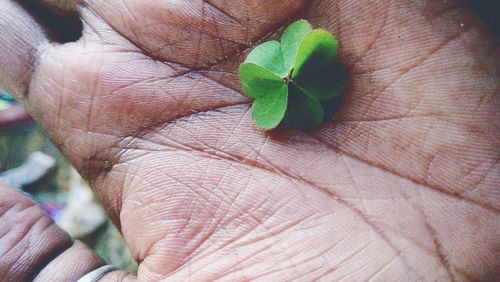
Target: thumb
18	47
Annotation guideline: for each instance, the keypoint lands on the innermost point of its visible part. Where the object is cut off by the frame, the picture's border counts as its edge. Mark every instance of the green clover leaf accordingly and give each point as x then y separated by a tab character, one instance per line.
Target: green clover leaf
291	81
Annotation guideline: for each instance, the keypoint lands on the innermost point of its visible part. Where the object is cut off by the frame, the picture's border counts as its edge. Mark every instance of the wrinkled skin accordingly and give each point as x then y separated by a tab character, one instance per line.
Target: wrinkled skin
403	183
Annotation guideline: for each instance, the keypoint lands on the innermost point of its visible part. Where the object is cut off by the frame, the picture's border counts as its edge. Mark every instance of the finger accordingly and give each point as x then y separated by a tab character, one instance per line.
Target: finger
13	116
70	265
22	38
31	245
196	34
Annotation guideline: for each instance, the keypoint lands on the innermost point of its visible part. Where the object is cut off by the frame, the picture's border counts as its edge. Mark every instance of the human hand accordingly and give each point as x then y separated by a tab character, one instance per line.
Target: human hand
147	105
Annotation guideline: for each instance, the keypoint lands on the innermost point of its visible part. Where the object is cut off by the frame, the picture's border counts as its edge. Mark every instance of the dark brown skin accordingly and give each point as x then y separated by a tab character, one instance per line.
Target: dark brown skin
147	105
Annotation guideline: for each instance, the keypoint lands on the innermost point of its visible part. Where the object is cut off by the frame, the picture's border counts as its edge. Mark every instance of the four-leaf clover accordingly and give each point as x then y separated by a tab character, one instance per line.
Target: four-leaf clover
291	81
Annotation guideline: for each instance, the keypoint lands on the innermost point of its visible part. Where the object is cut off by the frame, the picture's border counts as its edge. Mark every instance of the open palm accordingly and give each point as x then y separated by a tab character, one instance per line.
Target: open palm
404	182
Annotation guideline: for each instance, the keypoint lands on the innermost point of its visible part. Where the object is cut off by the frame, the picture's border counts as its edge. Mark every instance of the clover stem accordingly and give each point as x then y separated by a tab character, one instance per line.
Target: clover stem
288	79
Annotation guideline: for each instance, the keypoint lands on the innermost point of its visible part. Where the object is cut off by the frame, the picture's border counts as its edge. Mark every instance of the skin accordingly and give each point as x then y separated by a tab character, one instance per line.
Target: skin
13	116
403	183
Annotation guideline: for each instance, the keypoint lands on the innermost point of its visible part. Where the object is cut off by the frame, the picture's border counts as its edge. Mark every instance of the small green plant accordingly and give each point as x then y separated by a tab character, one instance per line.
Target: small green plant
294	80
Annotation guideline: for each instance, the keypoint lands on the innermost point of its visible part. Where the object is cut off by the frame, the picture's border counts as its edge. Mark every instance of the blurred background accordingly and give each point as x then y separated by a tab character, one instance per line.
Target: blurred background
30	162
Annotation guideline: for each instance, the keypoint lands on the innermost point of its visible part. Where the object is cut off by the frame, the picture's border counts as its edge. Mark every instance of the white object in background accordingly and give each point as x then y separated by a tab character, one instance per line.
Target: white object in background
36	166
82	215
